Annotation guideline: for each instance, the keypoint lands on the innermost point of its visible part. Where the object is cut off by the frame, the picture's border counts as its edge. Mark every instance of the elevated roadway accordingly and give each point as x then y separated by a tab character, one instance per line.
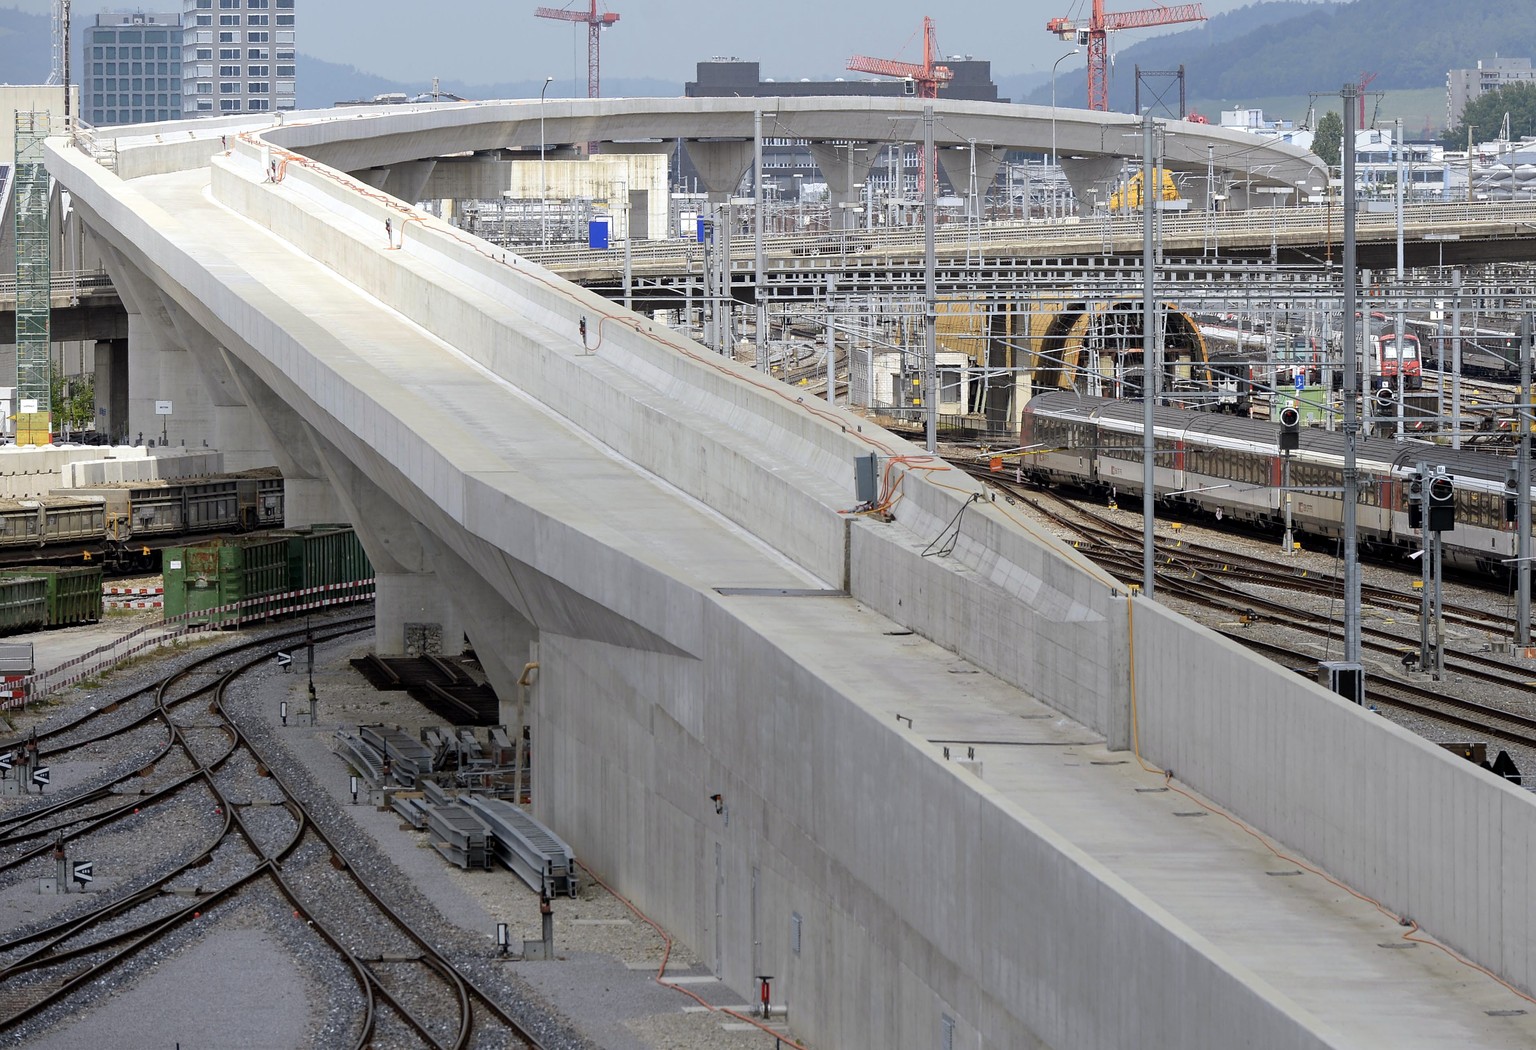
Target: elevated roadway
907	758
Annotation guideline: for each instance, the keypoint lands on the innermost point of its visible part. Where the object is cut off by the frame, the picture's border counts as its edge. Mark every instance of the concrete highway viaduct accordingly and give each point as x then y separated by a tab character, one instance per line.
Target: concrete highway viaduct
910	762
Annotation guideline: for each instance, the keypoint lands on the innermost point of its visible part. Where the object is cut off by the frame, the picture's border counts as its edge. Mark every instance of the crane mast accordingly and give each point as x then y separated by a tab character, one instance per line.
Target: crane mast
926	77
1094	35
595	21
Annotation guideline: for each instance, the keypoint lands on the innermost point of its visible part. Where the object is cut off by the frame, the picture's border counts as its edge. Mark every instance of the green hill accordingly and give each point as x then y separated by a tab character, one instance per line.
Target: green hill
1278	51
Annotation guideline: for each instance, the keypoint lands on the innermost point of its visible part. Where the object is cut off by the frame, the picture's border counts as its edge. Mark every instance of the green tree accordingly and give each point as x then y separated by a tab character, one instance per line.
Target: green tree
1486	115
74	402
1327	137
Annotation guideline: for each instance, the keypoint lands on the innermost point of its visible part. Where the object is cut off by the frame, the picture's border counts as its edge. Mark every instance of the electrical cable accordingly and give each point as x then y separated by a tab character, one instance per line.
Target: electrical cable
666	954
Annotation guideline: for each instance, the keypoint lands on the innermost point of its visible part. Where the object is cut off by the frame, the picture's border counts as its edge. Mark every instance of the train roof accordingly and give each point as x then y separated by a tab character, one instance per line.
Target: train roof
1371	453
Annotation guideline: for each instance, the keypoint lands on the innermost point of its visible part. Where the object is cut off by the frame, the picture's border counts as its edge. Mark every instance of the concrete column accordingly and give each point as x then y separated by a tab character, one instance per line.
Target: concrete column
842	165
309	495
1118	720
236	432
406	181
112	388
720	164
375	177
504	640
1092	173
955	163
159	368
414	610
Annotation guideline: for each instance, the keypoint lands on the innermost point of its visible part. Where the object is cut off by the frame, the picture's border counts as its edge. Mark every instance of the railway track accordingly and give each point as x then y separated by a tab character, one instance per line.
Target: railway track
1213	578
244	840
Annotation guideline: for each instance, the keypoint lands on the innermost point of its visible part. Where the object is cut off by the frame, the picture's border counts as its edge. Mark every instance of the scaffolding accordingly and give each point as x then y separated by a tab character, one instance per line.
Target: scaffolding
34	282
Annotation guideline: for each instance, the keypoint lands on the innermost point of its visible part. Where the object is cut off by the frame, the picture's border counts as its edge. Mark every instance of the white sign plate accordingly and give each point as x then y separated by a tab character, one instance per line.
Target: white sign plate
162	408
28	405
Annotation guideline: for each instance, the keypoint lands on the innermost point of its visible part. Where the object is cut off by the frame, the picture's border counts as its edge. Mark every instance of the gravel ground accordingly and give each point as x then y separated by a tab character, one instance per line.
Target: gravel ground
600	991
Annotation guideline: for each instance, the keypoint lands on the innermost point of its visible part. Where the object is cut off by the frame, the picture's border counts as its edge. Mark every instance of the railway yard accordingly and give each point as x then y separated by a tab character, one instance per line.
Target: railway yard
222	841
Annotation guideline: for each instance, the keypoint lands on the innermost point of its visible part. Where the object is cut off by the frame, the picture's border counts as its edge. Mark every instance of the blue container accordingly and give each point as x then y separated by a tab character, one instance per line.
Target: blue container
597	234
703	227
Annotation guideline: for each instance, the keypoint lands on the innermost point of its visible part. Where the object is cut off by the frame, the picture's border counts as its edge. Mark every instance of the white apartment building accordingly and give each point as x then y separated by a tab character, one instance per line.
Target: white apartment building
1467	85
237	56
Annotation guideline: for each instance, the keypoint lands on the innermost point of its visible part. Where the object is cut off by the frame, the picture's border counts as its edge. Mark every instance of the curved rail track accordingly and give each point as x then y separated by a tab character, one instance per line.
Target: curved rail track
1211	577
186	759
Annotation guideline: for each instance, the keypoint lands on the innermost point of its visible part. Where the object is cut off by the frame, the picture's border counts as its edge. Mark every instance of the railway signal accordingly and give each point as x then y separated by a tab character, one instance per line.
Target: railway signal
40	776
1386	400
1512	494
1415	501
1290	429
80	871
1441	515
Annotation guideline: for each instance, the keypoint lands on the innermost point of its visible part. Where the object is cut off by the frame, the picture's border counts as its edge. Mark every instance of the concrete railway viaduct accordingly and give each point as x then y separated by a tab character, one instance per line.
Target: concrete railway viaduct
910	761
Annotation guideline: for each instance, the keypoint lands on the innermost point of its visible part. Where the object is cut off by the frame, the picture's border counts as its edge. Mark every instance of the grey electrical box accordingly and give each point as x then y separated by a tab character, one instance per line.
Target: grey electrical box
1346	679
866	478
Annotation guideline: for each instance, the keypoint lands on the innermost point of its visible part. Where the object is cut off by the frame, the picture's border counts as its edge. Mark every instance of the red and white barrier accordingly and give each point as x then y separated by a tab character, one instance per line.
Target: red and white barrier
103	657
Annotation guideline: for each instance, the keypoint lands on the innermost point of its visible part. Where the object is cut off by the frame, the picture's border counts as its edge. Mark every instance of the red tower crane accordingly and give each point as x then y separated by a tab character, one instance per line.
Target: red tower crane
596	22
1095	34
1365	82
927	77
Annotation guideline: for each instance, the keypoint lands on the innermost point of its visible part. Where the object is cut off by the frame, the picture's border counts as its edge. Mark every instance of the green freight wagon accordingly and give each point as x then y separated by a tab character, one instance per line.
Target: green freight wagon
74	592
328	556
224	573
23	604
259	570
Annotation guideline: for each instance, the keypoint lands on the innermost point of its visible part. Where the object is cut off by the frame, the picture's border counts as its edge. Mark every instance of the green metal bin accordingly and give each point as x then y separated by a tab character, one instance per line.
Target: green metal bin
329	556
74	592
23	604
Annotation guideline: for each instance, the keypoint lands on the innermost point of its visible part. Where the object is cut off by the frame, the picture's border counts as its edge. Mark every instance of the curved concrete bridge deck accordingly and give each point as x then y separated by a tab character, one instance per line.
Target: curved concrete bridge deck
667	536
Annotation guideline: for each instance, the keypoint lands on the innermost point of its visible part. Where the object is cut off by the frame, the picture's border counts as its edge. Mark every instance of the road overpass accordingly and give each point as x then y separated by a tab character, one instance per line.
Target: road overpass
909	757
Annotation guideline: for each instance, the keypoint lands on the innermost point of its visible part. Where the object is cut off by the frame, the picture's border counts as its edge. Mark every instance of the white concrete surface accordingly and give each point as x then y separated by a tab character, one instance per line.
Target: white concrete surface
602	493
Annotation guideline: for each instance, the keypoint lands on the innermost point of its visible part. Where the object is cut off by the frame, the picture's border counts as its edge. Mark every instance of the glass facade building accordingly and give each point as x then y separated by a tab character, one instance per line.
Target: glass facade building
132	71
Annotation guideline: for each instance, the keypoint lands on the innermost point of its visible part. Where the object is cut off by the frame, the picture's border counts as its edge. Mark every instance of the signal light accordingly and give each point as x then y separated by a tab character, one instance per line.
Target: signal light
1512	494
1290	429
1386	399
1415	501
1441	493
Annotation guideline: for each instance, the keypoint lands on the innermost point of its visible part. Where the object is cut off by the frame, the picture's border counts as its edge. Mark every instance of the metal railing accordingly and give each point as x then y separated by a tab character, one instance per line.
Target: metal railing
1104	232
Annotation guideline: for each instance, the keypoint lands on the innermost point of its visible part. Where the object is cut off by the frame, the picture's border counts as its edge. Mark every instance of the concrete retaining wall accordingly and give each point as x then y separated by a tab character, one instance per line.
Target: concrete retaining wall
921	892
1424	831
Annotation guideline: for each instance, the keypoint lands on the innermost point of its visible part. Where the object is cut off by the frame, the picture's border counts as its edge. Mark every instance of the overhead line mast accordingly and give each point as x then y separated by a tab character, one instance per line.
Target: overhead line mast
1095	36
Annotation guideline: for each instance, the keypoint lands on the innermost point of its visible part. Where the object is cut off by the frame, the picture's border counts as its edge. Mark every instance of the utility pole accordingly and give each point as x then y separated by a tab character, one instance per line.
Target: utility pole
757	229
1397	149
1351	93
930	292
1148	361
1523	493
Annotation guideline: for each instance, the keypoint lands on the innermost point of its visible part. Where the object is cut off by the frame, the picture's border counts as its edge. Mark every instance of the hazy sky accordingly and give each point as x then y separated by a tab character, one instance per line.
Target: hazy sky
486	41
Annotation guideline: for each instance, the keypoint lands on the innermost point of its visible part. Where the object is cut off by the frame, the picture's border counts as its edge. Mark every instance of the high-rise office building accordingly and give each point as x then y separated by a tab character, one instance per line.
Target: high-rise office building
132	71
237	56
